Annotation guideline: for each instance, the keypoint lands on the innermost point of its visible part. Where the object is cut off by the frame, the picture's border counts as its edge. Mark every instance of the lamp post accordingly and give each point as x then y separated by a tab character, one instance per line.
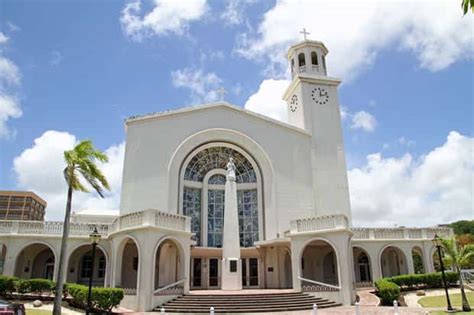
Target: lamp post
437	243
94	238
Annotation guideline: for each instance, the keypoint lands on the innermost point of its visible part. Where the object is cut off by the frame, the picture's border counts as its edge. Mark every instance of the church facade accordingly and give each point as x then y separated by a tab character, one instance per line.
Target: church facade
219	197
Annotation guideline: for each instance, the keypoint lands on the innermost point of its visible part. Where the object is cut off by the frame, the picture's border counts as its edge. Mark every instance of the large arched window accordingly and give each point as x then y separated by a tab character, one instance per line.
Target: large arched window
301	60
203	193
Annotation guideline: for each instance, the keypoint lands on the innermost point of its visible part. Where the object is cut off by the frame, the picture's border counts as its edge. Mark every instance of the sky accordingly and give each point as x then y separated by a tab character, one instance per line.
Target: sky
73	70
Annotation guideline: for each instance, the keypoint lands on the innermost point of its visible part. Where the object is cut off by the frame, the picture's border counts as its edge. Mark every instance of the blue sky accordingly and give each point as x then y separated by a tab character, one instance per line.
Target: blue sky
84	66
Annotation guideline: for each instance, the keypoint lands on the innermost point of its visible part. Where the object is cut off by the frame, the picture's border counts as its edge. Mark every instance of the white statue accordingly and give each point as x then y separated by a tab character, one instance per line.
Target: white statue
231	169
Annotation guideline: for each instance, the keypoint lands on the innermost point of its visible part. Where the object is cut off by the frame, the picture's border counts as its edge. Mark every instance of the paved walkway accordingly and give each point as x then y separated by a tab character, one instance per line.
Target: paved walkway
367	298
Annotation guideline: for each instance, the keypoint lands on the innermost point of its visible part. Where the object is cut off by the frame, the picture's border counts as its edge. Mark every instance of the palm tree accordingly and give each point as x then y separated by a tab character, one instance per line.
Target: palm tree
457	257
80	162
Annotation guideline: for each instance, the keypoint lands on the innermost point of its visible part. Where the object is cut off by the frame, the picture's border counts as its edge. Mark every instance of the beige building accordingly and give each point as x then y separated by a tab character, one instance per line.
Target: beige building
21	205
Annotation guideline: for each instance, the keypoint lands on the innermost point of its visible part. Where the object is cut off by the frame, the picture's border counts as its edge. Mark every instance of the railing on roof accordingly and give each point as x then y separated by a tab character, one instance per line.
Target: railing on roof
327	222
400	233
146	218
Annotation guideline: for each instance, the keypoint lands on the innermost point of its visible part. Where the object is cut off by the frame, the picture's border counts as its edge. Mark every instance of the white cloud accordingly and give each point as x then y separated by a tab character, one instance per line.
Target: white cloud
203	86
9	73
432	189
9	108
40	169
3	38
10	78
166	16
234	11
364	120
268	99
55	58
356	31
344	113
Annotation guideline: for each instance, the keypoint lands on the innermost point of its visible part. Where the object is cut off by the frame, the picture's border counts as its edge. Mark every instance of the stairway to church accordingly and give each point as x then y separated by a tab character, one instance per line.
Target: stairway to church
245	303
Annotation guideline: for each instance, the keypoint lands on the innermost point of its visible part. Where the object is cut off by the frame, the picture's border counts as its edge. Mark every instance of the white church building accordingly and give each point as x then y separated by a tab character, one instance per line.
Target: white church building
218	197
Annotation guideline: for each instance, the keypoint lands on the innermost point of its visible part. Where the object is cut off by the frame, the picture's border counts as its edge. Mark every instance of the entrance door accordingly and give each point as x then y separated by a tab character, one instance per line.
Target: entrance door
48	271
249	272
196	273
213	272
364	272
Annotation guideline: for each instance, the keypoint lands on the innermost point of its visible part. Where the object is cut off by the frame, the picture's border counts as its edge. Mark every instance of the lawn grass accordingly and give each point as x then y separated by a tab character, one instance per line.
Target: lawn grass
440	300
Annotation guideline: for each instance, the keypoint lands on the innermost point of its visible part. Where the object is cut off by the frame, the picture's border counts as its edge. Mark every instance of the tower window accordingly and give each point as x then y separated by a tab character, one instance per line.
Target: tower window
292	65
324	62
301	60
314	58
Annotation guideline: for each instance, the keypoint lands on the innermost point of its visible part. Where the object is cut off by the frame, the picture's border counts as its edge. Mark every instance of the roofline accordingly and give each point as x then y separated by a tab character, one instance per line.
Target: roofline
303	43
135	119
22	193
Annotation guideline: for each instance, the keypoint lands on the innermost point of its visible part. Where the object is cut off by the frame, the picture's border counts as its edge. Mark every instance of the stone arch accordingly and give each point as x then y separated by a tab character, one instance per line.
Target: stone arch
217	135
319	261
35	260
393	261
78	267
362	265
168	252
418	260
128	263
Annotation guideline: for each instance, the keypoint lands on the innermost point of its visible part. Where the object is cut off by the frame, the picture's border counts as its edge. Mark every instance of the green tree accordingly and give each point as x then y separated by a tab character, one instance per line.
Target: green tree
466	5
463	226
458	257
80	163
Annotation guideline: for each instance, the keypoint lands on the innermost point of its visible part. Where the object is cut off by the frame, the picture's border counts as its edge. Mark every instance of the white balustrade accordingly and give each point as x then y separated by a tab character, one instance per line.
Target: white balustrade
399	233
319	223
132	220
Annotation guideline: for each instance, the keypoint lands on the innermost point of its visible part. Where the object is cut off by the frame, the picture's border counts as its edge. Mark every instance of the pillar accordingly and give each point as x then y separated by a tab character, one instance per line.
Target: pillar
231	264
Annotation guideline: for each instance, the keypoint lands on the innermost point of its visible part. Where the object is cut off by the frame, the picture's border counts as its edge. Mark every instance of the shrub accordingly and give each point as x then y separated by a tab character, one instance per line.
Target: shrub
388	291
7	285
103	299
40	286
429	280
389	288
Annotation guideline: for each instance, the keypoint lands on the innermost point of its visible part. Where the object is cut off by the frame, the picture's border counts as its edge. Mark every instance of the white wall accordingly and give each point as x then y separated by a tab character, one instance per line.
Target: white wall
283	151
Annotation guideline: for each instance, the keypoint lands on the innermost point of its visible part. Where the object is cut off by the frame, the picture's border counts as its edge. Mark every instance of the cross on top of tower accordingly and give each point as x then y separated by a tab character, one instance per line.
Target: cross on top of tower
304	32
221	92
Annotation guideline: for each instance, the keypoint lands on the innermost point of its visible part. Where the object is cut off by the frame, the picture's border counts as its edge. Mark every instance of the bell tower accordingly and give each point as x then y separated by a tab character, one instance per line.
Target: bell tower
313	105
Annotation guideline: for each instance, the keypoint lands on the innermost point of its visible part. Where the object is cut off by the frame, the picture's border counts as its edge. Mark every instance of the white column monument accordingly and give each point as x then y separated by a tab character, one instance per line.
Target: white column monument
231	265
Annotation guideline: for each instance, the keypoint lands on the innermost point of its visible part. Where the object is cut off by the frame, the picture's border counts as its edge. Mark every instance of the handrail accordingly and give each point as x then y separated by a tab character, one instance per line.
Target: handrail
320	283
169	286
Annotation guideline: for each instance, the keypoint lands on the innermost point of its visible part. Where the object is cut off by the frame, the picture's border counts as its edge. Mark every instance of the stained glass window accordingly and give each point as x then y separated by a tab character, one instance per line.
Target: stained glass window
215	217
217	157
192	208
248	217
217	179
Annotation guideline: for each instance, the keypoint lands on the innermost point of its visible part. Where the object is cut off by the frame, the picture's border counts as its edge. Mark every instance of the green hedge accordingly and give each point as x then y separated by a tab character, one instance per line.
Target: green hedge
389	288
7	285
37	286
102	299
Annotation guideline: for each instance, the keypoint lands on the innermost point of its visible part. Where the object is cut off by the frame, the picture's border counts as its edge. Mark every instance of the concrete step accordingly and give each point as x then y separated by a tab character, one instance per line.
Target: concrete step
243	303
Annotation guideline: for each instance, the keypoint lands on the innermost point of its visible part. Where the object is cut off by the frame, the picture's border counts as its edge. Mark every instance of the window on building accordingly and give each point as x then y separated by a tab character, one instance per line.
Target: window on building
86	266
301	60
102	266
314	58
214	160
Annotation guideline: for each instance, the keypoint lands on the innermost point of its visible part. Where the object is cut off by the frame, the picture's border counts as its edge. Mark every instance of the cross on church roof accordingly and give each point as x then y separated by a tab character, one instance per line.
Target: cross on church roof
221	92
304	32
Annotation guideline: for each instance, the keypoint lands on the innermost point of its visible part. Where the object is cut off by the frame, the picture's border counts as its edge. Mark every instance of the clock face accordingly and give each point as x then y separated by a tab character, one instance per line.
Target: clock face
320	96
294	103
